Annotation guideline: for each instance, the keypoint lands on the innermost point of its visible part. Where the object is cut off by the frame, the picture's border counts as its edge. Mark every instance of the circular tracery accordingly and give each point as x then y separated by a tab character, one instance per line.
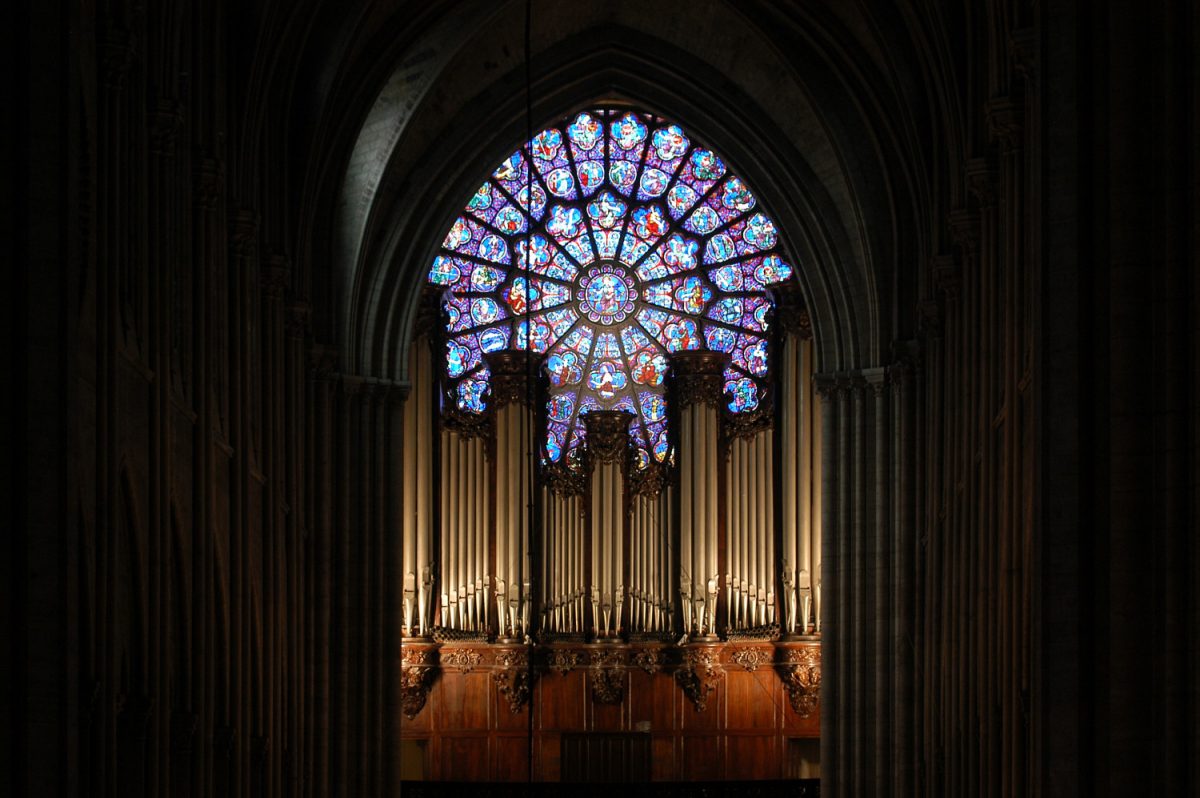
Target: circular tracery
625	243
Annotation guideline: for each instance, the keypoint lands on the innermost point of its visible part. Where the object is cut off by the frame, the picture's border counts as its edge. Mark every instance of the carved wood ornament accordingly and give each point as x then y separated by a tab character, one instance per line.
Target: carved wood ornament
416	677
801	674
697	677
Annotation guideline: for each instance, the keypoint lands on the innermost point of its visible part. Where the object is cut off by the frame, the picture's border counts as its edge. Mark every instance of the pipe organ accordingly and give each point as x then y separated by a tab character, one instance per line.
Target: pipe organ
697	391
607	458
650	553
723	538
417	550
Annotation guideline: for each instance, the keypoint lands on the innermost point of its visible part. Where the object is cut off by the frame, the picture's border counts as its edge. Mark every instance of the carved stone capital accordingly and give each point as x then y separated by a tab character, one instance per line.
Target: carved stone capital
165	119
981	180
876	380
512	372
243	233
800	670
607	435
210	180
607	677
1006	121
697	675
699	377
464	660
416	677
513	678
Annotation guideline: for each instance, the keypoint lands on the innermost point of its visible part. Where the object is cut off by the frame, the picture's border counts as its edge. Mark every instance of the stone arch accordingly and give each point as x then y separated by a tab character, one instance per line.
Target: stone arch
837	202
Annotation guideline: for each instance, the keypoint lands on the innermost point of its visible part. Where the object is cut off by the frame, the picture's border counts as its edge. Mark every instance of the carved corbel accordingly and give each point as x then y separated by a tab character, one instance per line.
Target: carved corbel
513	678
697	676
416	678
801	674
607	677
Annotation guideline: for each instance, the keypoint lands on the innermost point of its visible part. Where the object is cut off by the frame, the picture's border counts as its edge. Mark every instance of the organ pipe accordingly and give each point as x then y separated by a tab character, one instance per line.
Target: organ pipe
416	529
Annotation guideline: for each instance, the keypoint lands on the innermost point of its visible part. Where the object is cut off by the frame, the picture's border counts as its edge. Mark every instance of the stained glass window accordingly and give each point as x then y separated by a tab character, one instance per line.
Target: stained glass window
626	242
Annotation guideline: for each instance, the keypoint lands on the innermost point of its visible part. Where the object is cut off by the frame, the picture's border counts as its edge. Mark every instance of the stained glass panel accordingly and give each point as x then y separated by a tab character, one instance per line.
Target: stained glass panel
627	241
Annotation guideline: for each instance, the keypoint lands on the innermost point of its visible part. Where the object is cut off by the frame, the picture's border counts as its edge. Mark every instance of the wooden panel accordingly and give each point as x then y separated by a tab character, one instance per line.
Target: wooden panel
752	757
510	758
653	699
464	758
701	760
595	758
462	701
562	701
548	759
662	765
751	699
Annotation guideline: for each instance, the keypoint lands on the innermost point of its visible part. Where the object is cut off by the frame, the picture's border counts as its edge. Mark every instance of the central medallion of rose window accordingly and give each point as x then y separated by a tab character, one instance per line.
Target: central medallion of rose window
606	294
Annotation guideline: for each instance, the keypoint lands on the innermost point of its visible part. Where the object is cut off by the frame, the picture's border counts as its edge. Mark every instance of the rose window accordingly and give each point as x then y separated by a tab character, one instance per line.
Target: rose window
626	242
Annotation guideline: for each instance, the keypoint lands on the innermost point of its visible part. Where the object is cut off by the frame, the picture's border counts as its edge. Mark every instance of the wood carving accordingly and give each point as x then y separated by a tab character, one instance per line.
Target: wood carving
513	678
649	660
463	660
750	658
801	674
416	678
563	661
607	677
697	677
